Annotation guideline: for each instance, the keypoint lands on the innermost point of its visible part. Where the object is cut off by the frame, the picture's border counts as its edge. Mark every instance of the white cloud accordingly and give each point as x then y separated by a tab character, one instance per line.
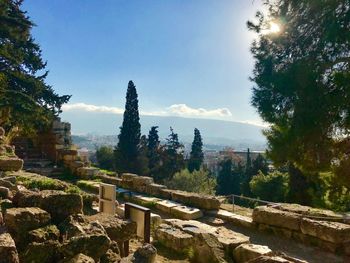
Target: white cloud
256	123
184	110
175	109
91	108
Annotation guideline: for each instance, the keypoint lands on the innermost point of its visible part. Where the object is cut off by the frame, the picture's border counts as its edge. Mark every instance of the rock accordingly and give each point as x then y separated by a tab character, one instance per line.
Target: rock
246	252
329	231
10	164
1	218
110	257
60	204
80	258
87	172
186	212
200	201
145	254
140	183
309	211
155	189
8	184
84	236
278	231
118	229
43	234
165	193
230	239
166	205
269	259
8	249
5	193
46	252
274	217
128	176
173	238
5	204
209	248
21	220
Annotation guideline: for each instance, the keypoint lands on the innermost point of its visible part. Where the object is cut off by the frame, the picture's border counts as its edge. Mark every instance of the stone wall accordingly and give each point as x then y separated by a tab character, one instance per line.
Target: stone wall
322	228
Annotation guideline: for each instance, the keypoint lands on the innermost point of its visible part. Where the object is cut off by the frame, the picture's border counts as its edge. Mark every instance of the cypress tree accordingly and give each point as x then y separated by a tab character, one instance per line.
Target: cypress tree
196	155
129	138
153	149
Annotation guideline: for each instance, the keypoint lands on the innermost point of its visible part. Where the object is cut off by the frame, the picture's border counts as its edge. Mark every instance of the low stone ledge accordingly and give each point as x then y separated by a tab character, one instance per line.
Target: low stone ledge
11	164
246	252
274	217
329	231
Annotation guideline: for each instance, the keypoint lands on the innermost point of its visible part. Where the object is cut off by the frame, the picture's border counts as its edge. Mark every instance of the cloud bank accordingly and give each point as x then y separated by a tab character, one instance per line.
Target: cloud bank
174	110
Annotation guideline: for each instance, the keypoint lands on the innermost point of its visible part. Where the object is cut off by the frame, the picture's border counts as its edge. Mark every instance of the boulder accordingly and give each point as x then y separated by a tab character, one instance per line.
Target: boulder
140	183
117	229
207	246
275	217
43	234
230	239
21	220
329	231
8	184
84	236
60	204
173	238
87	172
5	193
80	258
45	252
247	252
10	164
110	257
128	176
145	254
5	204
8	249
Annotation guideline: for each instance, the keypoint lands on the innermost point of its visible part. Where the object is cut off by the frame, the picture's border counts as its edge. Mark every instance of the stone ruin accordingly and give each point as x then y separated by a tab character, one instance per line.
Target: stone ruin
8	159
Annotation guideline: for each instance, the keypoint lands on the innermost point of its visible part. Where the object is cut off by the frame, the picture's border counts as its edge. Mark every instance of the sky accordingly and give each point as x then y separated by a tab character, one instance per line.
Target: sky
187	58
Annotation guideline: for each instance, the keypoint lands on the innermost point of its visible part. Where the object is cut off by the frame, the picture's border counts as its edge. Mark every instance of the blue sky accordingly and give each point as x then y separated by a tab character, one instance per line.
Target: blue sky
187	57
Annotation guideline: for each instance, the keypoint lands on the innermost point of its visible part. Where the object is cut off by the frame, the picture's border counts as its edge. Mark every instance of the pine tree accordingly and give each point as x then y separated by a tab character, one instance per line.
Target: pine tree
224	179
127	150
153	150
173	159
196	155
27	103
247	176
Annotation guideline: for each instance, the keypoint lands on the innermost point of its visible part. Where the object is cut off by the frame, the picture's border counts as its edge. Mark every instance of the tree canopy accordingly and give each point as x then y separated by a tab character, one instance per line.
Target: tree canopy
26	101
196	154
302	79
127	150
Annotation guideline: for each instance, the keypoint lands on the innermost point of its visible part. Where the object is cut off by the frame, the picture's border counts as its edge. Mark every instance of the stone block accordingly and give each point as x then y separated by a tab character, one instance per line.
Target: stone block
155	189
165	193
128	176
5	193
173	238
87	172
8	250
246	252
278	231
11	164
186	212
275	217
166	205
329	231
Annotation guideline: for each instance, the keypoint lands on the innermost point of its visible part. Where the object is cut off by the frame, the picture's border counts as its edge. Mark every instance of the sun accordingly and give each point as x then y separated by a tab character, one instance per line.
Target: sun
273	28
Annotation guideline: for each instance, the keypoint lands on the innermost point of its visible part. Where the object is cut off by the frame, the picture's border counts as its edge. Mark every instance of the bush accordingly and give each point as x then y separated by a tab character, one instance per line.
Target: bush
271	187
105	157
197	181
41	183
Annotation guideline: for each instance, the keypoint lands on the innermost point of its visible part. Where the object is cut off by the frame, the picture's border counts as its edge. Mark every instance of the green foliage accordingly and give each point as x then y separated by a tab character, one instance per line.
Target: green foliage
105	157
27	102
154	152
271	187
142	158
197	182
41	183
302	76
127	150
196	155
87	185
230	178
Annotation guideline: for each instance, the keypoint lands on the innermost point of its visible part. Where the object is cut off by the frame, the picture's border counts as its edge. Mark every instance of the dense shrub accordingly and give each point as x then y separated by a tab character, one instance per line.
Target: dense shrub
271	187
197	181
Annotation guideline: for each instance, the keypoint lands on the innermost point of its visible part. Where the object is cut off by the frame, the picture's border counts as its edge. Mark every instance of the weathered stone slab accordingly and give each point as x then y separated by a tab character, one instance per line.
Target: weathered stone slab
309	211
21	220
128	176
173	238
247	252
166	205
233	218
186	212
87	172
196	200
11	164
155	189
329	231
165	193
8	251
274	217
230	239
145	200
117	229
80	258
278	231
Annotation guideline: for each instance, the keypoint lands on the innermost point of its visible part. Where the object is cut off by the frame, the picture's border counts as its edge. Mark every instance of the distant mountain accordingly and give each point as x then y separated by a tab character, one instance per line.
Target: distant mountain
214	132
